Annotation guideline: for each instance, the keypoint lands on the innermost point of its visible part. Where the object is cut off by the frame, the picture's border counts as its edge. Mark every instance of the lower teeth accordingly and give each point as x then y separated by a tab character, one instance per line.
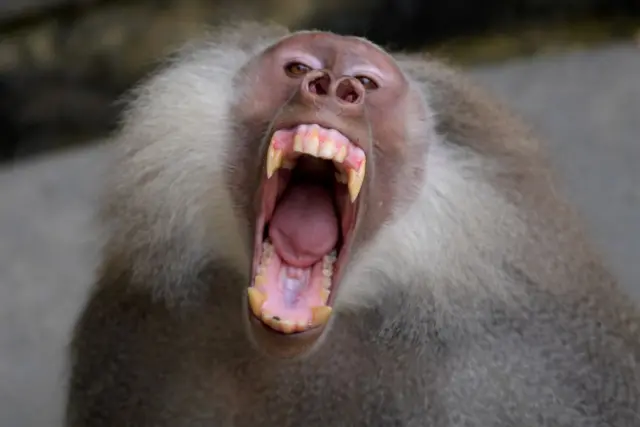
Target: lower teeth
292	283
267	250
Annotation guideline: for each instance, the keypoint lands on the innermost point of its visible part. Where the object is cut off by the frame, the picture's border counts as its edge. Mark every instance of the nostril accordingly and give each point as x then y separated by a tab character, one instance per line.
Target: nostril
320	85
349	91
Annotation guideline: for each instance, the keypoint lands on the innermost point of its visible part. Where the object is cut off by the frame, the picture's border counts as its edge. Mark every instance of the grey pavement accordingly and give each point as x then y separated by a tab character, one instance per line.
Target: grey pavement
587	104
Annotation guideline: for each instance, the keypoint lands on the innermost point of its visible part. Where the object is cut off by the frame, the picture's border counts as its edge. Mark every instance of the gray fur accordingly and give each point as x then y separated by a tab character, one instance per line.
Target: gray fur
481	305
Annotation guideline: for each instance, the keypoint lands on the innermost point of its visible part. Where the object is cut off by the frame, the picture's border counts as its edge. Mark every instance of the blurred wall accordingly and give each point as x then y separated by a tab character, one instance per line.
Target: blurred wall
63	63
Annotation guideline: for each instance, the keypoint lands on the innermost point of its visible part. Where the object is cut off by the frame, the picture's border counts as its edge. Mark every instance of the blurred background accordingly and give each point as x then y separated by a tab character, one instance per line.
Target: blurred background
570	67
63	62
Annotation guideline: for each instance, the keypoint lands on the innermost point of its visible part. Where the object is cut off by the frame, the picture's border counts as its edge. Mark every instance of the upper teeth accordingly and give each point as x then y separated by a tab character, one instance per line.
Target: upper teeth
318	142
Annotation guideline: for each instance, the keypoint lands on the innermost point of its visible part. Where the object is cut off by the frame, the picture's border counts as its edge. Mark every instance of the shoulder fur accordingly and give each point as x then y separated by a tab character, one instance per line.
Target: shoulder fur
166	211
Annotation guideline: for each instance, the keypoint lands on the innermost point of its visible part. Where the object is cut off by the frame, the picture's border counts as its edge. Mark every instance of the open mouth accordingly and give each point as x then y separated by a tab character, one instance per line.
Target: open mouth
309	202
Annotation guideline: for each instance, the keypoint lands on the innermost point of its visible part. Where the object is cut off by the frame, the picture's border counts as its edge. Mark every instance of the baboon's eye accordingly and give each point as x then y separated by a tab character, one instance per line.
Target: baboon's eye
296	69
367	82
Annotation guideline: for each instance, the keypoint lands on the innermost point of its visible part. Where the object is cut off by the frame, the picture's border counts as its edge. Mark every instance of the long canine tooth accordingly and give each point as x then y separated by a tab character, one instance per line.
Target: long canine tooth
274	160
355	181
320	315
327	149
256	299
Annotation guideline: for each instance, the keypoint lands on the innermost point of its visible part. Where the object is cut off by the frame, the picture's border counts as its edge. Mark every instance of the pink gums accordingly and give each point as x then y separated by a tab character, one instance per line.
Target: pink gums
283	140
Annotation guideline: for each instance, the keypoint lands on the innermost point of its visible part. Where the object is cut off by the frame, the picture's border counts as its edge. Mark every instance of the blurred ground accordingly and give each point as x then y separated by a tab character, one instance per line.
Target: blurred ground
586	103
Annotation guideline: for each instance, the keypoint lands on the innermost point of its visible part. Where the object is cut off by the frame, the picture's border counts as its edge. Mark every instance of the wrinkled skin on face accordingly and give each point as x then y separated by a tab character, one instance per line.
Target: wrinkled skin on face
340	86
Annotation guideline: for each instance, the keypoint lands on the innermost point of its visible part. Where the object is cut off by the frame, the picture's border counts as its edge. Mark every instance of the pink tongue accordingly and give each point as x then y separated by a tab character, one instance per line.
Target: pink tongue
304	227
